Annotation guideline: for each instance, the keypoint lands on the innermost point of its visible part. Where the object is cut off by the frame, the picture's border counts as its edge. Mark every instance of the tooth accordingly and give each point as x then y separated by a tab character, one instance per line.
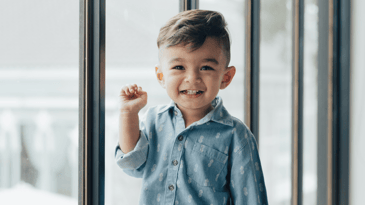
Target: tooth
190	92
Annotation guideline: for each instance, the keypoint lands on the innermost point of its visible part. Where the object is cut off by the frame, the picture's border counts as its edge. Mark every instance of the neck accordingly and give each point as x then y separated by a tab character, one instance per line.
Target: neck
192	115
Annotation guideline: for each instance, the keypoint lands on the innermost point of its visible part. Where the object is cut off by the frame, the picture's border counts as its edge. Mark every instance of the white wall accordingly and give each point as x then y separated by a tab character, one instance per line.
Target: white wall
357	104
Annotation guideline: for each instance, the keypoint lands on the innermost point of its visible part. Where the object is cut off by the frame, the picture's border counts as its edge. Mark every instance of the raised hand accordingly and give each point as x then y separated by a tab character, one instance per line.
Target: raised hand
132	99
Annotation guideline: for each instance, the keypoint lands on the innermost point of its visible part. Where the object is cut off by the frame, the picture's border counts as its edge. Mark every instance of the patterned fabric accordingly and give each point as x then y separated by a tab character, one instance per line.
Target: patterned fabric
213	161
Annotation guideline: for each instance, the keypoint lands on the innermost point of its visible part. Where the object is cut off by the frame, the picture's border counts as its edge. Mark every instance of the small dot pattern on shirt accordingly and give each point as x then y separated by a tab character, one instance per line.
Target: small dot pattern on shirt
190	165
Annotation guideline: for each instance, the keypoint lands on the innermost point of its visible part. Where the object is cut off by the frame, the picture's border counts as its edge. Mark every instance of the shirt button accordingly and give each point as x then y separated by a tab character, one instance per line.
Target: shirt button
175	112
180	138
175	162
171	187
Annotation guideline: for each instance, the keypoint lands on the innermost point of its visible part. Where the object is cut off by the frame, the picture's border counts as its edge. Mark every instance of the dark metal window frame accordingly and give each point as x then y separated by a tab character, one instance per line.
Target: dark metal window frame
333	102
252	67
188	5
92	102
333	96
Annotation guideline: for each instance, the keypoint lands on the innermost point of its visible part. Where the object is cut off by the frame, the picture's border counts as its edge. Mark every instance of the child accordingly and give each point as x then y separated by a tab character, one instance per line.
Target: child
191	151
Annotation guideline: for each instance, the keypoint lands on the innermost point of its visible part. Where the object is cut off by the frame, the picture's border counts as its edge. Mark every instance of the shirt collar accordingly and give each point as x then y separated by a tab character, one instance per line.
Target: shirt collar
167	107
219	114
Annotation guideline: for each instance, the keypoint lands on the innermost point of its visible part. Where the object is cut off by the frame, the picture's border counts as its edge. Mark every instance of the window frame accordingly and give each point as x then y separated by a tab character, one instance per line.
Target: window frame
297	102
333	96
92	102
333	102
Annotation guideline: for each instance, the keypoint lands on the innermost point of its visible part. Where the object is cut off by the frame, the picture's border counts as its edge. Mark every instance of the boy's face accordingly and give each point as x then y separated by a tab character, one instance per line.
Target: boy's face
192	79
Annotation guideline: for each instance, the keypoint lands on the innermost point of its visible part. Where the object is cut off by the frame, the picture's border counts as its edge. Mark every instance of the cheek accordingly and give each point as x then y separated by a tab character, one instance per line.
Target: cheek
214	81
171	84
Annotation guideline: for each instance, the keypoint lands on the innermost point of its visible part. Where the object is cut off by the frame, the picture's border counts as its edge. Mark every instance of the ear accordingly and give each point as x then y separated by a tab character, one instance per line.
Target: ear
228	76
159	75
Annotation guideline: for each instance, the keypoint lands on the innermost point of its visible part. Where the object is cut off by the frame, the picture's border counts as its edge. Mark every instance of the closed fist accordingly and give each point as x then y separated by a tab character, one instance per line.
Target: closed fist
132	98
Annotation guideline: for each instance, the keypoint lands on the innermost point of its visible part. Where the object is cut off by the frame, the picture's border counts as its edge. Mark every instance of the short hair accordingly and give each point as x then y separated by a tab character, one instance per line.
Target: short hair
192	27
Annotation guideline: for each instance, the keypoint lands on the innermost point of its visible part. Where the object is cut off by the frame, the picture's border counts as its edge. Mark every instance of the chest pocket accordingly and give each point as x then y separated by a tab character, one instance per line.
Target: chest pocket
207	166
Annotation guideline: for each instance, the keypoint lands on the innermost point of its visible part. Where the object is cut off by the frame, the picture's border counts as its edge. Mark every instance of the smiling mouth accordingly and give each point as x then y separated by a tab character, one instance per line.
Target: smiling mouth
191	92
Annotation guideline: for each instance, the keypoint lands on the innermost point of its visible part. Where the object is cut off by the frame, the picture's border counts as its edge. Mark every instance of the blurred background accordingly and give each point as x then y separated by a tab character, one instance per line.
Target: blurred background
39	44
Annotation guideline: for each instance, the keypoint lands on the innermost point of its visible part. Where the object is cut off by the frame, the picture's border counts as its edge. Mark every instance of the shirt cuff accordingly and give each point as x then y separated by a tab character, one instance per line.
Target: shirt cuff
135	158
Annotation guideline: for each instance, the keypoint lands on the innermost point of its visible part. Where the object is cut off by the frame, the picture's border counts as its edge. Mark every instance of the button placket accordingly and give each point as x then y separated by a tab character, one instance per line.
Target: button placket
174	167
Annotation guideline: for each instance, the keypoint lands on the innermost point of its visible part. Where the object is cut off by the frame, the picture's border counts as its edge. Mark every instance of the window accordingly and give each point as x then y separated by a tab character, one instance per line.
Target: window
357	112
310	104
131	31
275	98
40	133
39	102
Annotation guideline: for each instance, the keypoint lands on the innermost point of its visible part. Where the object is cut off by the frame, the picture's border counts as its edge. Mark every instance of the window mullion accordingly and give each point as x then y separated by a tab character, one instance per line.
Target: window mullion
188	5
92	102
252	66
297	102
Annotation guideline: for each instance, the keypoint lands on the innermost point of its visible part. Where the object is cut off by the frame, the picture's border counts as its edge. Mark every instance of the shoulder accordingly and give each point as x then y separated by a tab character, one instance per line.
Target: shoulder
241	133
153	113
153	117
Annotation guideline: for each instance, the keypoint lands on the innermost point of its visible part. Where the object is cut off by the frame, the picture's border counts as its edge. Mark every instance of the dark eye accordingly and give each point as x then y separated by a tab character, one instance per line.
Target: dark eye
178	67
207	68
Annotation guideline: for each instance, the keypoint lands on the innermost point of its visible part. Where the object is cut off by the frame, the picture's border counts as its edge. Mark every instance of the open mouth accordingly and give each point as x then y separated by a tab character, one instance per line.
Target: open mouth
191	92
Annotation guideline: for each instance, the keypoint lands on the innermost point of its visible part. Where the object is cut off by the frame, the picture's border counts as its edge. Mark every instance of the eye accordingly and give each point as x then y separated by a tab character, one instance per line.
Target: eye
207	68
178	67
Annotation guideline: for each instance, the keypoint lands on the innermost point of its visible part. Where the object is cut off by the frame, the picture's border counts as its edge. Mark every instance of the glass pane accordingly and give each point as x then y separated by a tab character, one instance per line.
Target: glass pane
39	101
275	98
310	112
357	102
233	12
131	31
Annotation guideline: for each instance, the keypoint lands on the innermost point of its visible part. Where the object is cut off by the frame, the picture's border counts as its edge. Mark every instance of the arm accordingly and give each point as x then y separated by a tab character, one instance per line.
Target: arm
132	100
247	185
135	146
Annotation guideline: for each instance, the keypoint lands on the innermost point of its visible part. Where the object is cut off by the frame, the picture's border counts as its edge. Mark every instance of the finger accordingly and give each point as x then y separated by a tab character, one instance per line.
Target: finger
139	89
135	88
126	90
131	90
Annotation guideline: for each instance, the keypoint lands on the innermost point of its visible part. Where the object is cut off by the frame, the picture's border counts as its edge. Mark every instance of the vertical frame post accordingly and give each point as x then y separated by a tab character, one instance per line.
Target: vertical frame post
297	102
252	66
333	102
188	5
92	102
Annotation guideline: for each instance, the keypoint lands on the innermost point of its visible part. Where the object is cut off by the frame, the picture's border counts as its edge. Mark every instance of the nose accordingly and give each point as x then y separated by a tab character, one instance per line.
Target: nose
193	77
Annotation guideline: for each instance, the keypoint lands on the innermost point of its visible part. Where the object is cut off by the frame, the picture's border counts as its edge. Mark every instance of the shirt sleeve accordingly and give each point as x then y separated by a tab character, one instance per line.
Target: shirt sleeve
133	162
246	184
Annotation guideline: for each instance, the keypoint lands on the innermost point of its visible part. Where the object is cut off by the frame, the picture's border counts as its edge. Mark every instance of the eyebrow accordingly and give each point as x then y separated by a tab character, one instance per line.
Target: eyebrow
176	60
213	60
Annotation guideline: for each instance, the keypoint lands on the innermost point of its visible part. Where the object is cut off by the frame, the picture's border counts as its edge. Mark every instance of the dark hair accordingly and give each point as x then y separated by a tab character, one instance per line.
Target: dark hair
192	27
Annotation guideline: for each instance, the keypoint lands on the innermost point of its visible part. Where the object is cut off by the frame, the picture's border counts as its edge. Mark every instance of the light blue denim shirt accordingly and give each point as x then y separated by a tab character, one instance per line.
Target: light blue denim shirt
213	161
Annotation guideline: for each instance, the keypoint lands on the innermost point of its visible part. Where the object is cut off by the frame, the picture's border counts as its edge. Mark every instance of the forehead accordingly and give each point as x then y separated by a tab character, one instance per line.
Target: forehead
211	50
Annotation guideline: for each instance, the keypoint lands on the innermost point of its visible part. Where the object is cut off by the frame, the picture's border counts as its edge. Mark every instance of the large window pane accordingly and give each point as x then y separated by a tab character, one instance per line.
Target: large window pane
131	55
310	112
357	102
233	12
39	101
275	98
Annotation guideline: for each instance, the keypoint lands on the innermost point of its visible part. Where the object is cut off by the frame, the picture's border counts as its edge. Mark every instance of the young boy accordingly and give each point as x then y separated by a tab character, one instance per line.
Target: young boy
191	151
